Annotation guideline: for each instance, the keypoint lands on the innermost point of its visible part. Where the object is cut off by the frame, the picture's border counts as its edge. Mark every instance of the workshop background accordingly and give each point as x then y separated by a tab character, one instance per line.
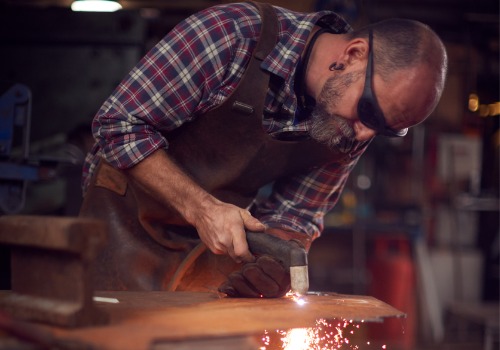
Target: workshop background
417	226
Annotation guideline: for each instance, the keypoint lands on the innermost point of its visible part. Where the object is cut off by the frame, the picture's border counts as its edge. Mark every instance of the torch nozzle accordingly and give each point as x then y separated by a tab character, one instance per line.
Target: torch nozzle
290	253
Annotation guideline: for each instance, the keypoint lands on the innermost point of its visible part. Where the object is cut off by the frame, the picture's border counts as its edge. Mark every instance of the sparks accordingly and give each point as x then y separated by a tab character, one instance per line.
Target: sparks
323	336
300	302
296	297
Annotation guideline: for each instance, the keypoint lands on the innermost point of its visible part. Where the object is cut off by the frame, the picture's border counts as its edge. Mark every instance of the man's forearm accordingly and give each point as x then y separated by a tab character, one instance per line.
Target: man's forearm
160	177
221	226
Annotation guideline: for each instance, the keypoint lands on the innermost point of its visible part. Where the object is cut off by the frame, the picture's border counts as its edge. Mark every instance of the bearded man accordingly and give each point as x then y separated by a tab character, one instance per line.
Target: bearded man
236	97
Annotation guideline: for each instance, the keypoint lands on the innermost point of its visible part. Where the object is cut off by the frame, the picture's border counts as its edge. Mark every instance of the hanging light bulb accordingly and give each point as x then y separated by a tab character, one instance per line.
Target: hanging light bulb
96	5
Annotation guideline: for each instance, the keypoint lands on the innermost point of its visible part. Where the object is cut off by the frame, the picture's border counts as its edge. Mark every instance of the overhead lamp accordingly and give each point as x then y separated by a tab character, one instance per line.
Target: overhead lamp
96	5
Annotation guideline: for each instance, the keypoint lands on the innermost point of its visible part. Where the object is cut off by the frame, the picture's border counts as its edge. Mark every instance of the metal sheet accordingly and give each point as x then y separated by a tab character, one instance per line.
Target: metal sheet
143	318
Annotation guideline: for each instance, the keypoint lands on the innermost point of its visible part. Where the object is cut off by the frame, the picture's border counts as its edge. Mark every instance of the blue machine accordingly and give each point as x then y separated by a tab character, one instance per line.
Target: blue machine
16	169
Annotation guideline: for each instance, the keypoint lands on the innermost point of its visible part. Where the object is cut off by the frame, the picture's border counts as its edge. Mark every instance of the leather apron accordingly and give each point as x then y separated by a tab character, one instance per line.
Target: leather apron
229	154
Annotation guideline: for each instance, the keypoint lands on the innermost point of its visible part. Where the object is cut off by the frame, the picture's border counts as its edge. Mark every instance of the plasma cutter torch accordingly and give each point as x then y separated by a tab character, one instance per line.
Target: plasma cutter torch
289	253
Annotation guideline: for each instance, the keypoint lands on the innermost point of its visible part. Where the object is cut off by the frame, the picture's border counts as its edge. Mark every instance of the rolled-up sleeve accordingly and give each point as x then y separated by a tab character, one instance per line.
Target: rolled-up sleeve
187	73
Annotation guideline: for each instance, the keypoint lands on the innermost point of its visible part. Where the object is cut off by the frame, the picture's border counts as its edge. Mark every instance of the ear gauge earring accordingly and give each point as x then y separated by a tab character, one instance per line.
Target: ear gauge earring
336	66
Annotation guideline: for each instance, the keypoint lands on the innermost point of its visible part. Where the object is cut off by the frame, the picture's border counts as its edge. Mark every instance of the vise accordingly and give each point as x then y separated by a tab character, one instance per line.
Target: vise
51	263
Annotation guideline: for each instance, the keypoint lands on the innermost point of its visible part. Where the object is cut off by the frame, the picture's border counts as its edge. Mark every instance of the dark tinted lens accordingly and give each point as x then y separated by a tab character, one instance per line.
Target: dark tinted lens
369	114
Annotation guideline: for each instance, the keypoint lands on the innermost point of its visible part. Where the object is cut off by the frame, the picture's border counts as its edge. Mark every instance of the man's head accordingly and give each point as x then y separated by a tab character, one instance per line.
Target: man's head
393	78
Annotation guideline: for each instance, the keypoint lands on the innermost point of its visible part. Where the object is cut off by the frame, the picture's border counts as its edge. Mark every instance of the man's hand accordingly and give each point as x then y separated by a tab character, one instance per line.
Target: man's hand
265	277
221	226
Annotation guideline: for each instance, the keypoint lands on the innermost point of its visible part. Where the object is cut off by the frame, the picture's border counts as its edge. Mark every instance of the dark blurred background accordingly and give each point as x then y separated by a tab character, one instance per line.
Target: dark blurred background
418	224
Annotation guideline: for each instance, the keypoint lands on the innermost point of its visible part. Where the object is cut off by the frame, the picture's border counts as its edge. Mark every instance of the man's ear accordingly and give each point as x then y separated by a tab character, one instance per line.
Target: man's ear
356	51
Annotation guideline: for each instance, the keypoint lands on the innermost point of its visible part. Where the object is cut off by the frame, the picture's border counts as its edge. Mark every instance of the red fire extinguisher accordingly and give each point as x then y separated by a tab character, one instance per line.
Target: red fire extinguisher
393	281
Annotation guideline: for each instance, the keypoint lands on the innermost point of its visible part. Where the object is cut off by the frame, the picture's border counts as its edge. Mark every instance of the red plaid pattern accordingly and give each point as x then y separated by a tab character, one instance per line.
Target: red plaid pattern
192	70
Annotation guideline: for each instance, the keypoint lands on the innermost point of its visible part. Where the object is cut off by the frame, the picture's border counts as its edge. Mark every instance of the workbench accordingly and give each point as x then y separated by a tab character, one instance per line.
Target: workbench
52	303
178	320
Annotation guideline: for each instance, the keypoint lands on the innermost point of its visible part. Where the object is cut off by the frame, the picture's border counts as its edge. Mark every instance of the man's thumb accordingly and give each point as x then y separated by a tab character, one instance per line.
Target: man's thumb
252	223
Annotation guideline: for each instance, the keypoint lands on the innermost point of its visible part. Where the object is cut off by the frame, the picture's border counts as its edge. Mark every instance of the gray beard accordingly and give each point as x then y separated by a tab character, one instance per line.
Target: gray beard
332	131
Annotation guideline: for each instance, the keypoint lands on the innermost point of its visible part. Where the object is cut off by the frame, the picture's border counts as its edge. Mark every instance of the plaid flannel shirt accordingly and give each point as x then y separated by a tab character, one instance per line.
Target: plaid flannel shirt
194	68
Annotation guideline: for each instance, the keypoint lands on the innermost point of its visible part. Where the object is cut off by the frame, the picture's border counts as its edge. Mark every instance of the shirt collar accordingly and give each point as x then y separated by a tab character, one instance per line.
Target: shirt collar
293	35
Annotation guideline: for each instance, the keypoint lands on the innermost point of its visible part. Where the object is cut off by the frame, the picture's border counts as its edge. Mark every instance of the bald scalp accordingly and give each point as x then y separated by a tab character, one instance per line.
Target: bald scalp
403	44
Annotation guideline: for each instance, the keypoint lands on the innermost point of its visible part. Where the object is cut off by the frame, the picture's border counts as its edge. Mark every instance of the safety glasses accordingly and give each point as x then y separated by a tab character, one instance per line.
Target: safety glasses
369	111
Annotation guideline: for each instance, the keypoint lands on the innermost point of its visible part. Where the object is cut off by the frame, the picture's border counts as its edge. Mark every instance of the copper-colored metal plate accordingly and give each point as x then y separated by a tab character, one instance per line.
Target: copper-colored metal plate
142	318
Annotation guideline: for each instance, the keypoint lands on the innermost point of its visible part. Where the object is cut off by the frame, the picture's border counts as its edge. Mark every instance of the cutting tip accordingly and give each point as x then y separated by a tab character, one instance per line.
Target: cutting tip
299	278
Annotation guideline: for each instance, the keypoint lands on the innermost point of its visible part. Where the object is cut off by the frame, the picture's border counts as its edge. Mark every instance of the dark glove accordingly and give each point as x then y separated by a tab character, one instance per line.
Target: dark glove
265	277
